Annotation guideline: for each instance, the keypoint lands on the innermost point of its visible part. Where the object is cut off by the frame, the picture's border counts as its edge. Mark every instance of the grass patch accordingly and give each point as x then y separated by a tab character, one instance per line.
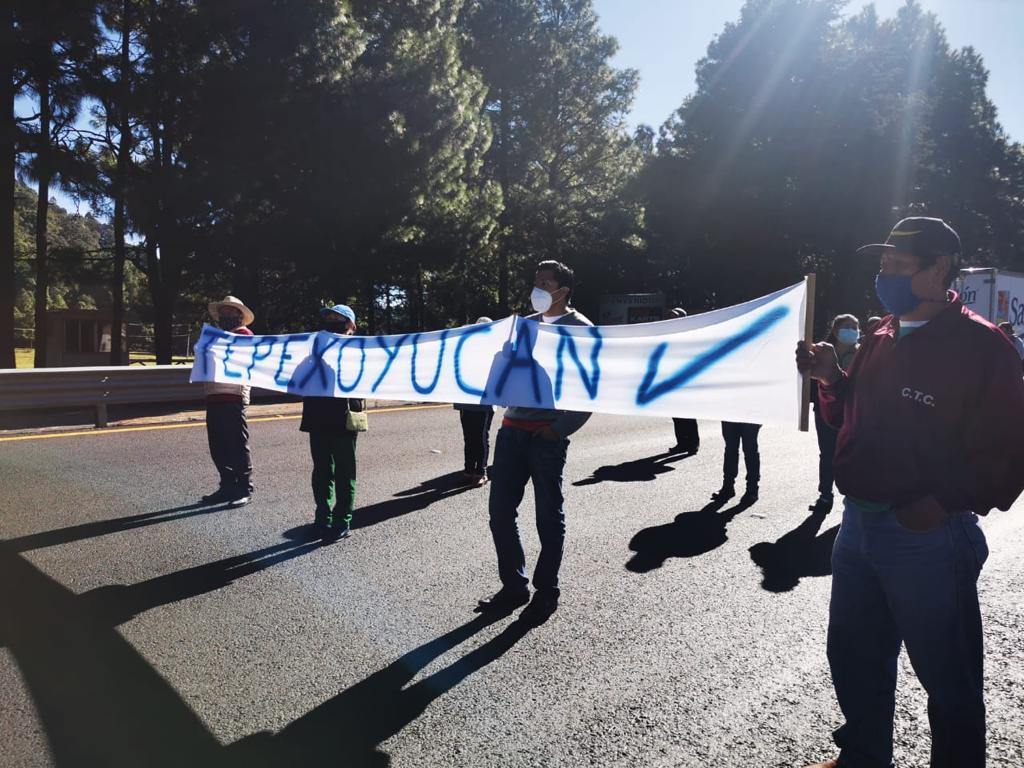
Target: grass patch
24	357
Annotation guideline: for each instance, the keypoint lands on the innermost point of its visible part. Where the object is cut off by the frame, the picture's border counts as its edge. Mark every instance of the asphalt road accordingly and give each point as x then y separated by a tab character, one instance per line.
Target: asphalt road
137	630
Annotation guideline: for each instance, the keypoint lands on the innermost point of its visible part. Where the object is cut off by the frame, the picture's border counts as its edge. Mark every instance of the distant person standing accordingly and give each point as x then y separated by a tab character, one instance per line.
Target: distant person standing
737	434
332	432
532	445
687	431
227	430
844	335
476	435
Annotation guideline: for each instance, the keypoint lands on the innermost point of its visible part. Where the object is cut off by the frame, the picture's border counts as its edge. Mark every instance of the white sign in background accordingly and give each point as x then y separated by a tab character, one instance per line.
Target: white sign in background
733	364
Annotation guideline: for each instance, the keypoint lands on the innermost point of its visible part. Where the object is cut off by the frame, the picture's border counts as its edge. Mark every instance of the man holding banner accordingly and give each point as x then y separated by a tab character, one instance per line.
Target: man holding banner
532	445
930	416
226	428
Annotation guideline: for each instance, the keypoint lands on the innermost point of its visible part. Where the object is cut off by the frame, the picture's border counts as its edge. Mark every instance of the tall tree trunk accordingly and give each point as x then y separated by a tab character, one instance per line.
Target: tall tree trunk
503	218
120	174
42	212
419	299
370	323
7	140
163	286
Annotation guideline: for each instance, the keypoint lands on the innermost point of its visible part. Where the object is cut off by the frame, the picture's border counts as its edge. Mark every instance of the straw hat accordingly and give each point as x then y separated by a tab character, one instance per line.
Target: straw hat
231	301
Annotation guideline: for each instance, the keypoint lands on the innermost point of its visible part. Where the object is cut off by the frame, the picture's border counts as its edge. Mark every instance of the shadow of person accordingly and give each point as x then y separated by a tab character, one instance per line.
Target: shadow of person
515	377
636	471
104	527
313	376
798	554
115	604
689	535
411	500
99	701
349	728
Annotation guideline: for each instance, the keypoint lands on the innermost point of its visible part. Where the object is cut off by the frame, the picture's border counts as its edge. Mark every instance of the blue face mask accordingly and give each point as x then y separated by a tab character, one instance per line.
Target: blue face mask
896	294
848	336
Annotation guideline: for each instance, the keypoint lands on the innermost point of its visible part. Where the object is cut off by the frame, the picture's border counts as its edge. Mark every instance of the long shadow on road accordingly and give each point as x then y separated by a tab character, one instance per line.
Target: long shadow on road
105	527
412	500
636	471
689	535
349	728
798	554
102	703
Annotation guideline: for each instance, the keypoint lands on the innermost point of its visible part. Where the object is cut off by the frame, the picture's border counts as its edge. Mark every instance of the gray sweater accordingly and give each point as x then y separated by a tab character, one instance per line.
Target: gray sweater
563	422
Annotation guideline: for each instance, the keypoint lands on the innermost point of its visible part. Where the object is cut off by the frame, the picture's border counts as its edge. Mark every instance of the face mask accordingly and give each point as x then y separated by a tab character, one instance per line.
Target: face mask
228	322
540	299
848	336
896	293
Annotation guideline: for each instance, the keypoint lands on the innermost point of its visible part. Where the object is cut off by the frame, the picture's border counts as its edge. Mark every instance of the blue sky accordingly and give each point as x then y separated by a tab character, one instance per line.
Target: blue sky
664	39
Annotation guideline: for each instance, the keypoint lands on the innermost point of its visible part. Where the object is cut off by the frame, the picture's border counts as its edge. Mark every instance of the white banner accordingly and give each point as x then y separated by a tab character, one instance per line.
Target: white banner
733	364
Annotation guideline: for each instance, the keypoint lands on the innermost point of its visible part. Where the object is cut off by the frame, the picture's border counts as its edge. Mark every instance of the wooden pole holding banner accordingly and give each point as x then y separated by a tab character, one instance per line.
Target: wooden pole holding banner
805	399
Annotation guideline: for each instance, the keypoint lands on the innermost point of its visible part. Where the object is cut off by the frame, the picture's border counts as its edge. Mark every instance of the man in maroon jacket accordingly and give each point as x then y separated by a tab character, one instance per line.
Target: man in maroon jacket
929	416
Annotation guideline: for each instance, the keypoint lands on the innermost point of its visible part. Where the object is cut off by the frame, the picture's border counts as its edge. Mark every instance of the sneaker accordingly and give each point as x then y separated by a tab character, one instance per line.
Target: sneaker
503	601
334	532
221	494
540	609
724	493
479	481
240	499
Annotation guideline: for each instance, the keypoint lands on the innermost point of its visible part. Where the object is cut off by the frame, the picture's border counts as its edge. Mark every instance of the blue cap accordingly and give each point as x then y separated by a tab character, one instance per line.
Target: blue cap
340	309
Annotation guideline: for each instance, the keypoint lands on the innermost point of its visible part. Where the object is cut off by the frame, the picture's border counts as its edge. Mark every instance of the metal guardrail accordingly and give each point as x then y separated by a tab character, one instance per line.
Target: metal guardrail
96	387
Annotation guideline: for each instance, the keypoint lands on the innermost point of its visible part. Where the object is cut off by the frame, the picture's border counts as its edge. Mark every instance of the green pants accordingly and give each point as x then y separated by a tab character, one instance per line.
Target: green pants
334	465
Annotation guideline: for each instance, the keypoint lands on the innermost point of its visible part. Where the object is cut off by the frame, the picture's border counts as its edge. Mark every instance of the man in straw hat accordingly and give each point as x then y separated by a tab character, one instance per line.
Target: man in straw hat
226	427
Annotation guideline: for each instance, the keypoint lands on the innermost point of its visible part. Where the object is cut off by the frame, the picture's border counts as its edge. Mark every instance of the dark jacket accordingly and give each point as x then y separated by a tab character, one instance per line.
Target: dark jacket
328	414
939	412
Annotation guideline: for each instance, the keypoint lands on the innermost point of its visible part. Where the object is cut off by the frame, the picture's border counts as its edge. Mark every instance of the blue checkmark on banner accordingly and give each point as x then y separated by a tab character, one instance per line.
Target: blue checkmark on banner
648	391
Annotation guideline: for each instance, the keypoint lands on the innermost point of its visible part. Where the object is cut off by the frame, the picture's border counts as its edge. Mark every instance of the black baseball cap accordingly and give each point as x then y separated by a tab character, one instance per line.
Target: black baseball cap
922	236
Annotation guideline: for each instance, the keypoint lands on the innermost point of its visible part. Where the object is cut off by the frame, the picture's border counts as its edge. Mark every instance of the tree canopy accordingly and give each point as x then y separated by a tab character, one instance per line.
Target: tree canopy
415	160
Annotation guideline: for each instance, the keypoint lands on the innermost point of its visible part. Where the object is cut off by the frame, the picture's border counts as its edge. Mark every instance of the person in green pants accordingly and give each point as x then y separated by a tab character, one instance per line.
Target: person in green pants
332	443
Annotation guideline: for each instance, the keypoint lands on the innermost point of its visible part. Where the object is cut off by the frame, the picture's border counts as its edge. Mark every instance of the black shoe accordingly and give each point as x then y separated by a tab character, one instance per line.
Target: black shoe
823	505
503	601
540	608
750	495
689	450
724	493
239	498
222	494
331	533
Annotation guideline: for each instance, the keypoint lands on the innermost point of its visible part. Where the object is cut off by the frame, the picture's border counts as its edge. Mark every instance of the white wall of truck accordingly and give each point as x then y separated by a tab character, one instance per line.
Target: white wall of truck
994	294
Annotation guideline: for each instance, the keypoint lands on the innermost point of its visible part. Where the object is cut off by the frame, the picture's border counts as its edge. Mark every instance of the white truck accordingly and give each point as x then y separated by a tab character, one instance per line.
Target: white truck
995	294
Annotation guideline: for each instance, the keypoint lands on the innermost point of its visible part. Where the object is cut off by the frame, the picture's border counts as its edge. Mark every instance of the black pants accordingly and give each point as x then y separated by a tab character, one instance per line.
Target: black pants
687	434
734	434
826	452
228	433
476	434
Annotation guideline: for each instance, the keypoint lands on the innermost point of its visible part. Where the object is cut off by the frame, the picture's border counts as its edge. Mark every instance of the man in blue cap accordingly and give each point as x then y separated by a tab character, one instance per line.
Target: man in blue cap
332	443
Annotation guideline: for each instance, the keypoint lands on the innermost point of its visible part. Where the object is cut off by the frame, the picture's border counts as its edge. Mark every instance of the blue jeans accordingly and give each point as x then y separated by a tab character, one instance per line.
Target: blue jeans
892	585
519	457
